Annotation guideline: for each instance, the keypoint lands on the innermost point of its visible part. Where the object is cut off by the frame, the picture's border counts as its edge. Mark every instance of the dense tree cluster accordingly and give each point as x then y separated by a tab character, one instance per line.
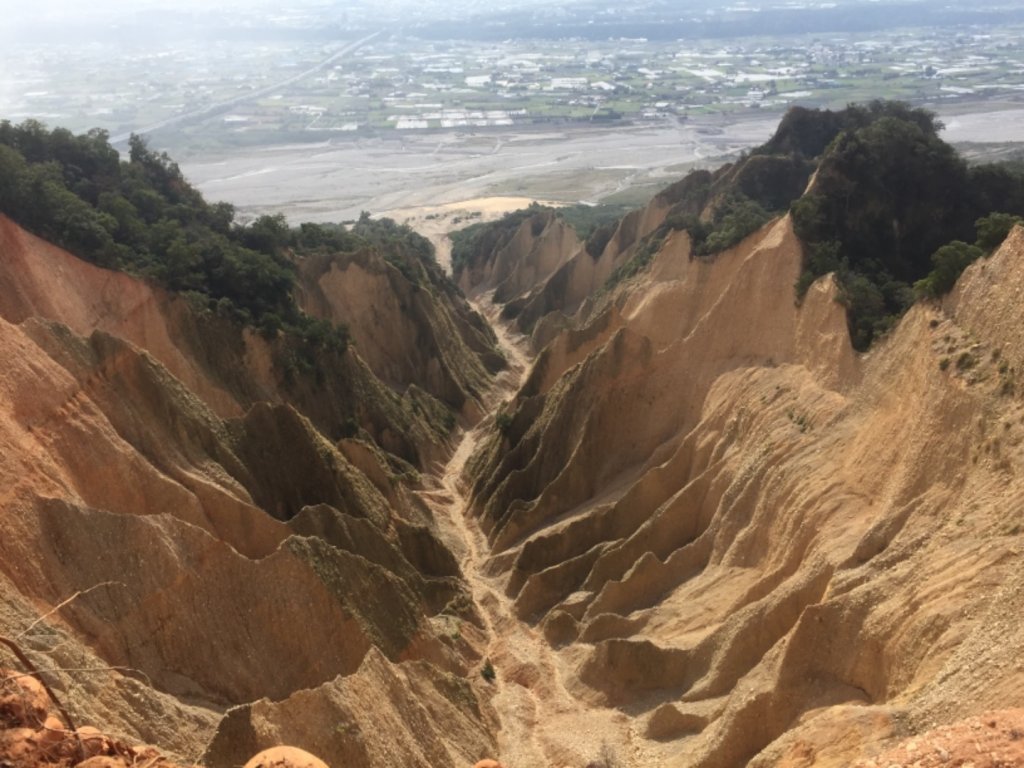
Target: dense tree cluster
141	216
893	206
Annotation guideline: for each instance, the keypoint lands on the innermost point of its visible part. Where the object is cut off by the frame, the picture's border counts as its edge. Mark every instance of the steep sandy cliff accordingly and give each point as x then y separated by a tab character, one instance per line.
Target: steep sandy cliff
543	271
539	244
449	354
679	523
219	549
408	322
761	548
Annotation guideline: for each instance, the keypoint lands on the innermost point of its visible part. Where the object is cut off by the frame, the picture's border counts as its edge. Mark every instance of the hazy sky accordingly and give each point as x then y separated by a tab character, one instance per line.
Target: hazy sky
37	15
36	8
40	12
77	8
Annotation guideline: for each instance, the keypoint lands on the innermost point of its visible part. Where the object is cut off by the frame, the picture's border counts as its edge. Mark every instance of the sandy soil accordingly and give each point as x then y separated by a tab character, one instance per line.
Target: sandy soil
1001	126
542	723
991	740
434	222
335	181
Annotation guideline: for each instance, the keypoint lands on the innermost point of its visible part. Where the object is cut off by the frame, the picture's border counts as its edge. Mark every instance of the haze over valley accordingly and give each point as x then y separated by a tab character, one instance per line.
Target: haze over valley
327	109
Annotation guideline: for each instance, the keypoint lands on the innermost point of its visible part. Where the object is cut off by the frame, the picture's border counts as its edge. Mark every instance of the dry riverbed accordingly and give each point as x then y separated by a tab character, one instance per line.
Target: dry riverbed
436	180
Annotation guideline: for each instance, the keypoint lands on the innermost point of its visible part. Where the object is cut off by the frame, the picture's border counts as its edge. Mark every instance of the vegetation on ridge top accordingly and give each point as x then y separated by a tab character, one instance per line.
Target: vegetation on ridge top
594	224
141	216
890	212
888	195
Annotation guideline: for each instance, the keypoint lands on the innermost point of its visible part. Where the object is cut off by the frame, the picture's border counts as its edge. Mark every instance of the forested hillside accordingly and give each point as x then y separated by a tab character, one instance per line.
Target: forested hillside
141	216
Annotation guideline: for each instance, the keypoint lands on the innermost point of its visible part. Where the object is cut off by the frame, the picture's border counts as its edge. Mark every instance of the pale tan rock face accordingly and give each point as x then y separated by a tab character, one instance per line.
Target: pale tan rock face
702	532
990	740
23	700
543	272
42	281
285	757
410	327
175	545
764	548
540	245
229	370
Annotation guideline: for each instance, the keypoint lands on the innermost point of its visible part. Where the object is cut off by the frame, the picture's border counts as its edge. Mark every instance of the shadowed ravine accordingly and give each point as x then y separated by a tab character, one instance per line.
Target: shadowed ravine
711	511
541	722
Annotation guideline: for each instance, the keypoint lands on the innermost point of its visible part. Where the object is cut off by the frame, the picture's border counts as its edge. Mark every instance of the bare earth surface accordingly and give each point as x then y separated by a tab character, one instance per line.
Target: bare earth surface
704	534
508	640
335	181
991	740
763	549
435	221
542	723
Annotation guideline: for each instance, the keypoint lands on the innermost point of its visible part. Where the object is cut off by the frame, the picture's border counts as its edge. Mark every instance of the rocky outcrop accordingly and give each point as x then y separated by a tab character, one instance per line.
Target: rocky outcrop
758	544
35	730
578	284
543	312
38	731
408	323
638	383
428	718
990	740
230	368
703	531
198	559
542	273
527	248
183	532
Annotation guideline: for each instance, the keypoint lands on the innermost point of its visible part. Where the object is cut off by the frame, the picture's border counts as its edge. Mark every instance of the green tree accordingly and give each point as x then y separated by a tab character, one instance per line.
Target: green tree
888	194
733	222
949	263
993	229
267	234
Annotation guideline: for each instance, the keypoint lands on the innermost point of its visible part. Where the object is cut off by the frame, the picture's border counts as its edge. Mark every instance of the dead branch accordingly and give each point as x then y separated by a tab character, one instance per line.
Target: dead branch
63	603
34	672
101	668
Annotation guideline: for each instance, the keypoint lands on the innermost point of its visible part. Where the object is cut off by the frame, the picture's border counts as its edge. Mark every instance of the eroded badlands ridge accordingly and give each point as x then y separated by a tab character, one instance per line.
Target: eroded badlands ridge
762	547
242	578
680	519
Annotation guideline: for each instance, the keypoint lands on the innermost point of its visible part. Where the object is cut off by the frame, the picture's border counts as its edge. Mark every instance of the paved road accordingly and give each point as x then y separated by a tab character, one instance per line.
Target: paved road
224	106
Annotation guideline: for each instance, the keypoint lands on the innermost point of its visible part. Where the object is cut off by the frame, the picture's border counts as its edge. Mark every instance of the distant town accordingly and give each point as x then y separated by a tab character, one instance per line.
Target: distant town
329	108
274	79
